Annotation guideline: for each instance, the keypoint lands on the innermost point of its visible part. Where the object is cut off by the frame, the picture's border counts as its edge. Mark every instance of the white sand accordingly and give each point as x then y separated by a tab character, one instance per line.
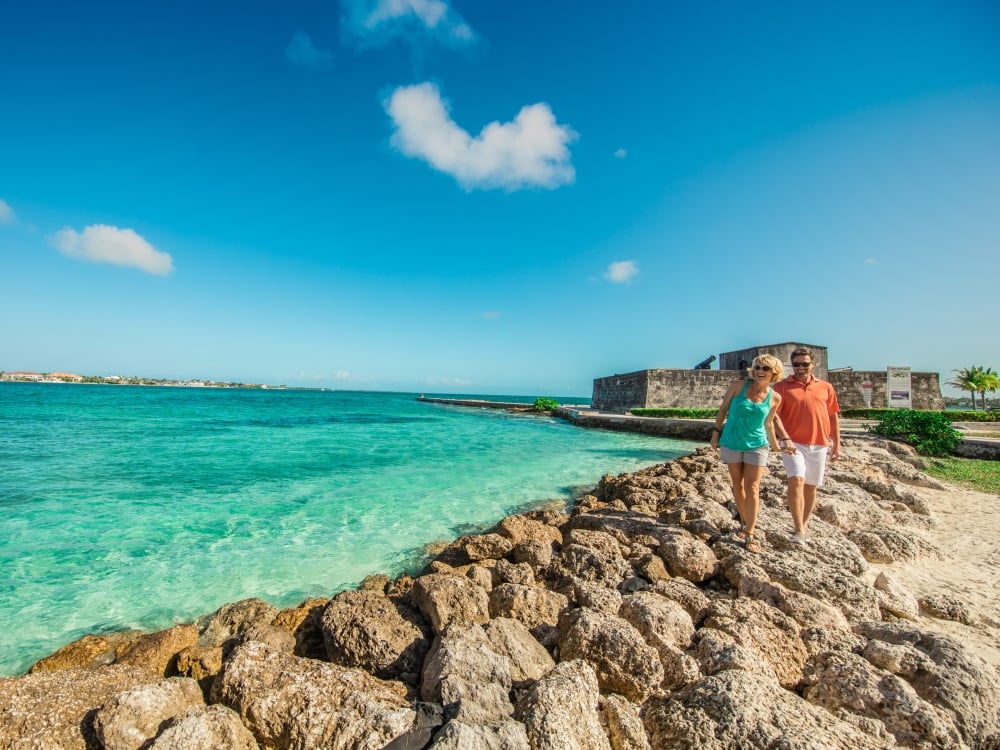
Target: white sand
968	534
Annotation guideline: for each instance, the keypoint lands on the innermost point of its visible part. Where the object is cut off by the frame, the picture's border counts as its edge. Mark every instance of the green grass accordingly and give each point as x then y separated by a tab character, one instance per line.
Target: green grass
970	472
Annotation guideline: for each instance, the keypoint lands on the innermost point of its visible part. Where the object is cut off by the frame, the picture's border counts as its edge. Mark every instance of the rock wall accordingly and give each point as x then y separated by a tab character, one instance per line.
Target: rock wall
703	389
850	392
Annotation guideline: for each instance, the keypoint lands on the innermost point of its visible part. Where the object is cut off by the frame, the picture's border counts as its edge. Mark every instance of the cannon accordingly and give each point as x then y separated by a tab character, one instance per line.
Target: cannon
705	364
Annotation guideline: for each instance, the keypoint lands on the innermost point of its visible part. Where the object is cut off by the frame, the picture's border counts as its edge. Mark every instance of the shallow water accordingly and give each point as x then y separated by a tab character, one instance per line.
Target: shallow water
141	507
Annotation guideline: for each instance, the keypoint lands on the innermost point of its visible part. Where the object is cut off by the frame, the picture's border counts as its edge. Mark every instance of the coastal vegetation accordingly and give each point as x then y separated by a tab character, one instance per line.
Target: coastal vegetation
950	414
676	413
980	475
930	432
545	404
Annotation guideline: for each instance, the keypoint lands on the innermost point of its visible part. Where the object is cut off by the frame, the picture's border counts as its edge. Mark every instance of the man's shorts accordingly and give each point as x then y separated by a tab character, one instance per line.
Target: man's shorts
756	457
808	461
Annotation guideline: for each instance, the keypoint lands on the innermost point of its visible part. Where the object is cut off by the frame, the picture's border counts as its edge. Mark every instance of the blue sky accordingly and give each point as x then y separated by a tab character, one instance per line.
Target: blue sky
505	197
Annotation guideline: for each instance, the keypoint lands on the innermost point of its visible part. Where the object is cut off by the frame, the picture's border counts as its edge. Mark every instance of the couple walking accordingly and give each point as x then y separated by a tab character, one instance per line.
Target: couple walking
797	415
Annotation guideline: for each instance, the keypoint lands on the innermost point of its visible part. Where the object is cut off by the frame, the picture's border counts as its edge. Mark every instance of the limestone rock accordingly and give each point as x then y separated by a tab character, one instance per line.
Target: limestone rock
685	593
688	557
960	682
601	541
719	651
577	562
616	651
527	658
448	599
233	619
535	552
521	528
48	710
290	702
204	727
505	735
201	664
537	608
596	596
88	651
487	546
131	718
736	709
625	729
763	629
895	599
508	572
561	710
465	675
380	635
842	682
303	622
946	607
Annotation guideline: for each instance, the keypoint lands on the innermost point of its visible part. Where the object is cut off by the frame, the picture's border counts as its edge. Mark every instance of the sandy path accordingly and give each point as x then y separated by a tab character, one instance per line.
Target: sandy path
968	534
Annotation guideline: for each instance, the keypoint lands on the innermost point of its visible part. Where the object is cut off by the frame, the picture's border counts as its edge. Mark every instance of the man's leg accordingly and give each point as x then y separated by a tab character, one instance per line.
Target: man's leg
808	503
796	502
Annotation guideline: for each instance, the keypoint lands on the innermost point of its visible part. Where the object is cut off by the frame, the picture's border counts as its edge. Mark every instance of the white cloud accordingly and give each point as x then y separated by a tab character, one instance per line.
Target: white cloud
378	22
7	215
302	51
100	243
491	314
621	271
530	151
342	375
447	381
871	261
621	153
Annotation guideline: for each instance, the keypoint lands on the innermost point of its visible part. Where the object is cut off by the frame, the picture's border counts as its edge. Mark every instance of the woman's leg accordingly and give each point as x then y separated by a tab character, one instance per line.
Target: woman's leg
751	494
739	496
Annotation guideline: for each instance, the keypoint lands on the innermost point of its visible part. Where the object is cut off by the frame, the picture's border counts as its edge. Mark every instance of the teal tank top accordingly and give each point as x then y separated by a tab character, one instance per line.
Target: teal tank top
744	428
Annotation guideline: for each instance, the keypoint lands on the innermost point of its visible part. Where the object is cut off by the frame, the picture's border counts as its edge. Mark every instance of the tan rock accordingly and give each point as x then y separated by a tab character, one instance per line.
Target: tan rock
205	727
88	651
233	619
450	600
130	719
158	652
512	640
561	711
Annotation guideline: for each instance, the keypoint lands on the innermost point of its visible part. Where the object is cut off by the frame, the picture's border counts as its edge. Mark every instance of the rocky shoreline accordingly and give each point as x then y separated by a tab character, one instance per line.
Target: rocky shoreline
636	620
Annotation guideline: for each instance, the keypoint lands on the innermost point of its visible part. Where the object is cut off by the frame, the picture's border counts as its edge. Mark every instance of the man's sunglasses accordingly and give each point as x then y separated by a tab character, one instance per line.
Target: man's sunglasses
801	364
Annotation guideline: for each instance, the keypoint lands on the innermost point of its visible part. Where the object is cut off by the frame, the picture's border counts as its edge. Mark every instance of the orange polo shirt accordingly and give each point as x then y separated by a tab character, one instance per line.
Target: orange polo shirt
806	409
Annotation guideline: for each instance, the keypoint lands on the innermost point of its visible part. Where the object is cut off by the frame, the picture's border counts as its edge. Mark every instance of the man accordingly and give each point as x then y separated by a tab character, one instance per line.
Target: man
809	411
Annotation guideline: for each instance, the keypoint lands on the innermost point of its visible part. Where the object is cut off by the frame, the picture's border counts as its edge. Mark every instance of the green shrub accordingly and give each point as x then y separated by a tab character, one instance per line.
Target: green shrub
676	413
545	404
930	432
950	415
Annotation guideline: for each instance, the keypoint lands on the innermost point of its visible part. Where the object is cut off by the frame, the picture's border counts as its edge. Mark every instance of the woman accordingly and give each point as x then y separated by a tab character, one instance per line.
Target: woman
748	411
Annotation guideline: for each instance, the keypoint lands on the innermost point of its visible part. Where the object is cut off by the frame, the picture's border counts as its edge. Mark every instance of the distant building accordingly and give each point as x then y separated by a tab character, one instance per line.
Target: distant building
704	389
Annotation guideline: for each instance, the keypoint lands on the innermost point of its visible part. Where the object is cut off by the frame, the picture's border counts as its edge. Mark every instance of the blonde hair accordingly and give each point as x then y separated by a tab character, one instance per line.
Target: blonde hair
771	361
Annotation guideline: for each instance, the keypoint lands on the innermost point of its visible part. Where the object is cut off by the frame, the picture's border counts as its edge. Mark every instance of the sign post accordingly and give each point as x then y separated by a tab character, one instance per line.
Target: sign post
898	388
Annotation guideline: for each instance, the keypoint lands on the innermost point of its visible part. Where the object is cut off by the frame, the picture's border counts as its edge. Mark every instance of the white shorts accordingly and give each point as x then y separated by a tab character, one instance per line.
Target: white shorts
808	461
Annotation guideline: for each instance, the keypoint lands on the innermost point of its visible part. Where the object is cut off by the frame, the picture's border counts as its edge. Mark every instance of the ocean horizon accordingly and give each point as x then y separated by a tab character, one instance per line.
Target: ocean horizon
139	507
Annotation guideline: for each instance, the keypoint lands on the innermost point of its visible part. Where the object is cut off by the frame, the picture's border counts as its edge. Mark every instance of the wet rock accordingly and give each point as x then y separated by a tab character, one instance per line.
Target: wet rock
231	620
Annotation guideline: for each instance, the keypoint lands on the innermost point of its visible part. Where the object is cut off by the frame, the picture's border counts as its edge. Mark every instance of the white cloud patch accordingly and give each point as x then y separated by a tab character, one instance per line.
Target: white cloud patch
379	22
302	51
871	261
530	151
621	153
7	215
447	381
622	271
100	243
491	314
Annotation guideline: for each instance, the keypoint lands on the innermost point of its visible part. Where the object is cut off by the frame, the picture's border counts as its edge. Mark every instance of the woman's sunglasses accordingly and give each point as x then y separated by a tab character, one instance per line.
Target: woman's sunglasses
765	368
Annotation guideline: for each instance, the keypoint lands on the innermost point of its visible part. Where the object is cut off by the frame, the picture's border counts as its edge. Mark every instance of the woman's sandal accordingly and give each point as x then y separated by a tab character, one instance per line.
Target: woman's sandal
742	533
751	544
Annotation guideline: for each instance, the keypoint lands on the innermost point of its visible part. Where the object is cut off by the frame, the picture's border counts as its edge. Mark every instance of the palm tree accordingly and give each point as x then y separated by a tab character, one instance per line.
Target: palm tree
989	381
968	379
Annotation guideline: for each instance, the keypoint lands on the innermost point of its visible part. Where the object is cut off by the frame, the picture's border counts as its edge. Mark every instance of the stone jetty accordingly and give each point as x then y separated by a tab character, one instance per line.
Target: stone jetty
634	620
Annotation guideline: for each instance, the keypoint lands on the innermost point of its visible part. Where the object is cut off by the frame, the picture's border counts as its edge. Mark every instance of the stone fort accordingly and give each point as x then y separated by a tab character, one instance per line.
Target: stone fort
703	388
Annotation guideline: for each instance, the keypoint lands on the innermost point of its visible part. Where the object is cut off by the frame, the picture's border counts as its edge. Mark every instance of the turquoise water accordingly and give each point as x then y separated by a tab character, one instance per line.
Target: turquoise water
141	507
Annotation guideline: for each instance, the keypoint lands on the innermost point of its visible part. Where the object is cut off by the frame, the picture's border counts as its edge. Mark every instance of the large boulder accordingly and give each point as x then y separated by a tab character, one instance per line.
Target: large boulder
128	720
233	619
203	727
291	702
382	636
560	712
52	709
622	660
450	600
465	675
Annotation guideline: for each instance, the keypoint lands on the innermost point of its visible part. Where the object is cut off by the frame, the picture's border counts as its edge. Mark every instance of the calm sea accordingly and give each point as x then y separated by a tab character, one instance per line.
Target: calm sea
141	507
